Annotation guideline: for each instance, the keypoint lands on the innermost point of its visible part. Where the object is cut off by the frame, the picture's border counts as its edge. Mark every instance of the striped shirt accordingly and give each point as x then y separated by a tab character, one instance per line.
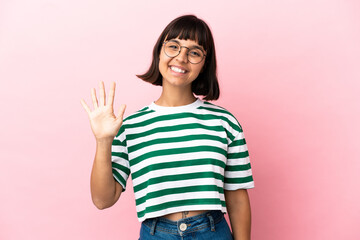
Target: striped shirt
181	158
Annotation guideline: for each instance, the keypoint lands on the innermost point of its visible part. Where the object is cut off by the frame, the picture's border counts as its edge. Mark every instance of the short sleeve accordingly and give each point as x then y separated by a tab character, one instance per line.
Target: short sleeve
119	158
238	174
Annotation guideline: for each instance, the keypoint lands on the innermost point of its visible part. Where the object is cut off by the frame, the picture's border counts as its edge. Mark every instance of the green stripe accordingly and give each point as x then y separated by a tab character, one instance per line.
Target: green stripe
175	128
117	142
239	180
239	142
169	191
229	135
172	151
201	201
238	167
120	155
139	113
120	167
118	177
181	116
219	110
121	130
177	164
177	139
211	104
238	155
178	177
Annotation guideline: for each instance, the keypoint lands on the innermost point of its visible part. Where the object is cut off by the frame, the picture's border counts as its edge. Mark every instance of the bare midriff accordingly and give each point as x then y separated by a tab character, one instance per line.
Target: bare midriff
180	215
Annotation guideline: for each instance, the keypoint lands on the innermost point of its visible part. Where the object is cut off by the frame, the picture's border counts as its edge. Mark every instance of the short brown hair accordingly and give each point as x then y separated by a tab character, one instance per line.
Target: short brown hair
189	27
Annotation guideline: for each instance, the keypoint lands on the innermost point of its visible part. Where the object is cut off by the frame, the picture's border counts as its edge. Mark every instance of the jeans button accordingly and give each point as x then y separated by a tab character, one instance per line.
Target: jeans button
183	226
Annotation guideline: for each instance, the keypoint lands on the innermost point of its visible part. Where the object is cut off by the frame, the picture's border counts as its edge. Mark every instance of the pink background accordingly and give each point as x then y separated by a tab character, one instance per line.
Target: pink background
289	71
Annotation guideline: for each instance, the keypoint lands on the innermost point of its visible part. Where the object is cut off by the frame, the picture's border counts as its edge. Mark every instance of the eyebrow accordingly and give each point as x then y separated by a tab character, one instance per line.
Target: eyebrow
192	46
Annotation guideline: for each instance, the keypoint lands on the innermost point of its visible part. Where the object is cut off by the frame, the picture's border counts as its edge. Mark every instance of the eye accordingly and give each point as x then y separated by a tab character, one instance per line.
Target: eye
172	46
195	53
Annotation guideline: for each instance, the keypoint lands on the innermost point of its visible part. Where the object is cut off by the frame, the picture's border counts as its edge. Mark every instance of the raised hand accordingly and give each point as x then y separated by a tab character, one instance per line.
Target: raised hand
104	124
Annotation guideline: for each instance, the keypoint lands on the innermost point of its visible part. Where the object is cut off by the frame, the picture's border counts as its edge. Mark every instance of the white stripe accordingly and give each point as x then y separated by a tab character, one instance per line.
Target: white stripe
237	149
238	174
175	158
121	137
236	186
177	184
120	161
238	161
178	171
118	149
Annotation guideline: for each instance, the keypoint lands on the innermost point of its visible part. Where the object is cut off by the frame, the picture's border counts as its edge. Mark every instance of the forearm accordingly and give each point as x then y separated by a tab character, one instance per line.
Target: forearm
104	190
238	206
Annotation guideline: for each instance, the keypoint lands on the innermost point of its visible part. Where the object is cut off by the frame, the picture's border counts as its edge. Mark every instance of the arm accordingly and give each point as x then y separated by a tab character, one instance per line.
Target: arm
238	206
105	191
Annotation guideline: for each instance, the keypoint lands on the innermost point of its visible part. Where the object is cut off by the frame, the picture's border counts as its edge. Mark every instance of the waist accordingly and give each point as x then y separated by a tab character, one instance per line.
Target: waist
185	214
216	215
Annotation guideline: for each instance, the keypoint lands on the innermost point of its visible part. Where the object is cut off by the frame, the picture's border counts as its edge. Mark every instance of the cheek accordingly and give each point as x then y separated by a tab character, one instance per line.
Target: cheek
163	64
163	59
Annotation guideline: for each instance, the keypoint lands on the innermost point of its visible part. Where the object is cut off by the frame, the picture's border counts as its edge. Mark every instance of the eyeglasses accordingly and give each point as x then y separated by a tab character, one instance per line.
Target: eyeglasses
194	55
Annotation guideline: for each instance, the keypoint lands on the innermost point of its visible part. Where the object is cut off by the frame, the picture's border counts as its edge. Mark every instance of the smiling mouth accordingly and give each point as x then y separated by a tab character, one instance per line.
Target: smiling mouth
178	70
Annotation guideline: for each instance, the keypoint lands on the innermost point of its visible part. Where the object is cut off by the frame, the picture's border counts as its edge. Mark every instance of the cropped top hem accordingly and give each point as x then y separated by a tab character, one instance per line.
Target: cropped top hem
181	209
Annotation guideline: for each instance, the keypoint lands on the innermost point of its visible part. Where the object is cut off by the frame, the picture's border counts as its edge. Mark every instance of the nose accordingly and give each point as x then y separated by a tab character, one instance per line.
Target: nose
183	55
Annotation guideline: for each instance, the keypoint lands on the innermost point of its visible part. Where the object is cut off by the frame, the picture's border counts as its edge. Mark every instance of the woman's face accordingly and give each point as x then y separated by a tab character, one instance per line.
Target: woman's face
178	71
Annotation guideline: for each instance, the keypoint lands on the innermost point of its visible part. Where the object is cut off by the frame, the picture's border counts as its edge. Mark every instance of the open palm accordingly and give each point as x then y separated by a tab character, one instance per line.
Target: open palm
104	123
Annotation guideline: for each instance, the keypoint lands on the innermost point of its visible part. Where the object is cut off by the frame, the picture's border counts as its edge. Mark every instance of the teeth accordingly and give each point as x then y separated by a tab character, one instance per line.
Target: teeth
175	69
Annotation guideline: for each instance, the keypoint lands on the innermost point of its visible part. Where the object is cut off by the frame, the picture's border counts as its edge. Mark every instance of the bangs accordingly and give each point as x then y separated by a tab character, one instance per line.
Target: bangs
190	28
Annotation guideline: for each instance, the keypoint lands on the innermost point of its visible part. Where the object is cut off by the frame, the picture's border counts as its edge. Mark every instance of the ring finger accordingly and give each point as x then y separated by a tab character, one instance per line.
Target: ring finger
94	99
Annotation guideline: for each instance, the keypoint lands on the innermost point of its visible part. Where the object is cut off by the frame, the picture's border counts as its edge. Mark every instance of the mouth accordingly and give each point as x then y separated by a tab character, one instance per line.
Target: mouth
178	69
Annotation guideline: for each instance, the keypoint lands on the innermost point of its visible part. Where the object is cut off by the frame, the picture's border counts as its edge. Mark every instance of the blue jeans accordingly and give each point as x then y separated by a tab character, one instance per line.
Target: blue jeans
209	225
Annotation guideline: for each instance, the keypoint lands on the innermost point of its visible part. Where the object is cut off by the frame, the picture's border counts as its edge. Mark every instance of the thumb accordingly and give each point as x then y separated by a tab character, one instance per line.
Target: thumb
121	112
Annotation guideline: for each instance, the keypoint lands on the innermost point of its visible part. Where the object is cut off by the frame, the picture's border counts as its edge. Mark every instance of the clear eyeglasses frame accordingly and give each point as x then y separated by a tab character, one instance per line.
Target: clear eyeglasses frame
194	55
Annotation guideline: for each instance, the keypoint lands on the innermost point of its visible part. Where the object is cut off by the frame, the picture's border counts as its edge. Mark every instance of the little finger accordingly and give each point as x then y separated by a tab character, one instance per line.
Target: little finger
85	106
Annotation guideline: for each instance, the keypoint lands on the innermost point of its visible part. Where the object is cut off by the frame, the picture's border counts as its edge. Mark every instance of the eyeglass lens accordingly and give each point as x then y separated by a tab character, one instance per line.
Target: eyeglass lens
172	49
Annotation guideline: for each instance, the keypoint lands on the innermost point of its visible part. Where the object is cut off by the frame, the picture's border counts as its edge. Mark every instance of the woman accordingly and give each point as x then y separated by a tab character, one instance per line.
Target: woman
187	157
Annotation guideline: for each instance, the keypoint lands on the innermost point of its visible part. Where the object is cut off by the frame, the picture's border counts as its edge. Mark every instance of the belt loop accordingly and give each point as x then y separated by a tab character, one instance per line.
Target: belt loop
211	222
152	230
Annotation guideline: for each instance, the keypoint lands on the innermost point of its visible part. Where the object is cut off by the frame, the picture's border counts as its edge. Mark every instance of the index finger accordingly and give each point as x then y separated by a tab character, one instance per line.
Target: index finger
111	96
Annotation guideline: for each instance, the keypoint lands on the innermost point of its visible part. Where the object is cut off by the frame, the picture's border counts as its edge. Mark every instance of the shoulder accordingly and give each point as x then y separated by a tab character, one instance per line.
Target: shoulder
222	113
139	115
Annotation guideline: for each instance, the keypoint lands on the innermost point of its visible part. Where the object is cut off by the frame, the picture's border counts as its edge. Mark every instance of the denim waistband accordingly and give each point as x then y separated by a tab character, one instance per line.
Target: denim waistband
209	218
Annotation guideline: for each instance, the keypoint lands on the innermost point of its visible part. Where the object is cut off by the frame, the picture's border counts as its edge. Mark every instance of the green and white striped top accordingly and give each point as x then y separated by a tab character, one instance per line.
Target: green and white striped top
181	158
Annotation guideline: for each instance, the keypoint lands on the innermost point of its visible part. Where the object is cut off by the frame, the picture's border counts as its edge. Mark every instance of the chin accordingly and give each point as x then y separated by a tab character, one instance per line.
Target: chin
179	83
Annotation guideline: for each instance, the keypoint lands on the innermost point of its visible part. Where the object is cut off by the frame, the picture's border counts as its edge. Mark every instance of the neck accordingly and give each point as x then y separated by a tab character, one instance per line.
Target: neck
175	96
